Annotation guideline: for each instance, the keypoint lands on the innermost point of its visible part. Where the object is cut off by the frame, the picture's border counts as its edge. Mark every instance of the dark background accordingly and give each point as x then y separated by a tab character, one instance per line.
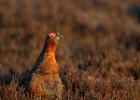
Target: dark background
99	57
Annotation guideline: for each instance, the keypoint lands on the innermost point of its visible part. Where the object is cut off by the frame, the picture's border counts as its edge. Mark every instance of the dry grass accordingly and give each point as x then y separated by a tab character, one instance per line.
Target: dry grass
99	58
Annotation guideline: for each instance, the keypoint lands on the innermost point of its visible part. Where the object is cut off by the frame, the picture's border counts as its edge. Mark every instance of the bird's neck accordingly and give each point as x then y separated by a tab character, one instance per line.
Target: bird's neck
46	60
50	49
49	63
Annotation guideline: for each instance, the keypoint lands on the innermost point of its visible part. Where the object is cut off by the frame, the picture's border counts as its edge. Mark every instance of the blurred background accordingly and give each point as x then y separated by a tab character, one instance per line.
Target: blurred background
101	42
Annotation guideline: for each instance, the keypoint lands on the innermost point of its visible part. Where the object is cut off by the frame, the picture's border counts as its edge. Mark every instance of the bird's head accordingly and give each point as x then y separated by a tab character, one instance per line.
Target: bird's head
53	38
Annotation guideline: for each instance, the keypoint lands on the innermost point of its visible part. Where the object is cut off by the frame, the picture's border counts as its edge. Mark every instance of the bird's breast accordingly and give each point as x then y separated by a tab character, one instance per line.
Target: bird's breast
49	65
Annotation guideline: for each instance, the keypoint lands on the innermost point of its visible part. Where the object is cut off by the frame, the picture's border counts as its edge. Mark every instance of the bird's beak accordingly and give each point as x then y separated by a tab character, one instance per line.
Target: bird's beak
59	36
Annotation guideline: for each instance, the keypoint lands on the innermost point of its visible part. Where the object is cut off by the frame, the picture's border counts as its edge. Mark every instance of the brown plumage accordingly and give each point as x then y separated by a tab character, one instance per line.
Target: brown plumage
44	80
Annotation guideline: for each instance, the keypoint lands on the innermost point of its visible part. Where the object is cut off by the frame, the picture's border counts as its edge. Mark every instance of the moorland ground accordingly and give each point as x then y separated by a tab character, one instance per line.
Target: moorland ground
99	57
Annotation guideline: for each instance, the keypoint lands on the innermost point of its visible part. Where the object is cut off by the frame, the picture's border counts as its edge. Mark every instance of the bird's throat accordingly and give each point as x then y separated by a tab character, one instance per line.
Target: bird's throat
50	49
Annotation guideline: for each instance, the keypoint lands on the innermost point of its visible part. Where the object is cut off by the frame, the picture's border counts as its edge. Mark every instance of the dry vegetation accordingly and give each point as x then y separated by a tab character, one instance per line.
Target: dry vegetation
99	58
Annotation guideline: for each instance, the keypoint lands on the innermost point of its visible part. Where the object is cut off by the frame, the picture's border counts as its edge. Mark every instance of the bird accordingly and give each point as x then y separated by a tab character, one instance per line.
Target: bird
44	80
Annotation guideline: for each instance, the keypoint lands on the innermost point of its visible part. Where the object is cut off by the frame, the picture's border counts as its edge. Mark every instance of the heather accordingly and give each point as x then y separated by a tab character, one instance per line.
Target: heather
99	57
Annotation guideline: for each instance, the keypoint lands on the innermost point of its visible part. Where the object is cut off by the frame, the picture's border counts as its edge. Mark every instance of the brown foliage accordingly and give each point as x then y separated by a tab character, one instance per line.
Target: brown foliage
99	57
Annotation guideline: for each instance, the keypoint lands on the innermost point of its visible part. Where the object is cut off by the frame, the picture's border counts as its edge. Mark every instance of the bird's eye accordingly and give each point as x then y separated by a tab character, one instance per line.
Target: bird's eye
52	36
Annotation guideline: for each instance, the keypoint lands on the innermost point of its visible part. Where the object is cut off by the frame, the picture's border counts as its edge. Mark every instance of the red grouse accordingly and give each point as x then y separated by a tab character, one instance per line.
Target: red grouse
44	80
